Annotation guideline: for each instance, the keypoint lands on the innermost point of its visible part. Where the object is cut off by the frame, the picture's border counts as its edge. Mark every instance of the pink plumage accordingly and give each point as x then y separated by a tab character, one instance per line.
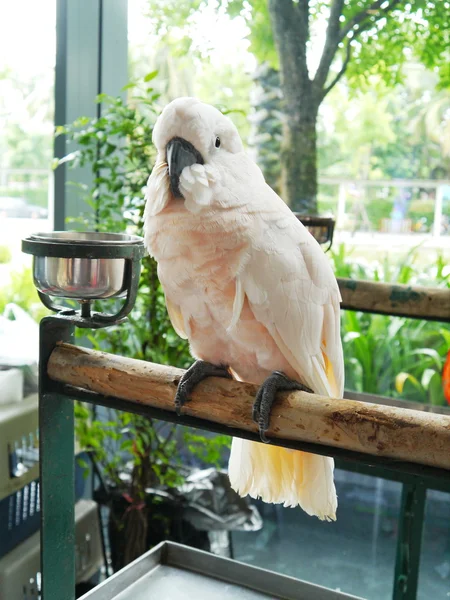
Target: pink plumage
249	287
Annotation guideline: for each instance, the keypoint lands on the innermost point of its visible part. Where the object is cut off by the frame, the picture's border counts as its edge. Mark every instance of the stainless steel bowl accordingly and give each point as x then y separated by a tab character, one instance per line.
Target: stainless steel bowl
83	238
78	278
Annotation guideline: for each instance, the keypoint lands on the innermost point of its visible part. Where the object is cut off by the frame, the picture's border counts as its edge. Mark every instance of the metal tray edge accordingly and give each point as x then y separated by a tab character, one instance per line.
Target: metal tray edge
254	578
220	568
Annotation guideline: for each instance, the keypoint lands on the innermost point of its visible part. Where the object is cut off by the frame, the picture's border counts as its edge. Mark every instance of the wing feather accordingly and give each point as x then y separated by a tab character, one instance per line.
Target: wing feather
292	291
238	304
176	318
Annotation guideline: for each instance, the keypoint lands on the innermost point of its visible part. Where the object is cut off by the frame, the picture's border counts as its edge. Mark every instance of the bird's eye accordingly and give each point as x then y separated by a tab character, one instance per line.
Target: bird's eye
217	143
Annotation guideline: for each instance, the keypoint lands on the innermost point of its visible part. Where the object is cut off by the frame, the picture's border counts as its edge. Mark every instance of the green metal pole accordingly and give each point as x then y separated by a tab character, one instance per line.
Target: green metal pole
57	473
409	541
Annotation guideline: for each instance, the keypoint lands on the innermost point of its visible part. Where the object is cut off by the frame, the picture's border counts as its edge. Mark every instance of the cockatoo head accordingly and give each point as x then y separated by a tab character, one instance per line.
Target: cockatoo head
189	132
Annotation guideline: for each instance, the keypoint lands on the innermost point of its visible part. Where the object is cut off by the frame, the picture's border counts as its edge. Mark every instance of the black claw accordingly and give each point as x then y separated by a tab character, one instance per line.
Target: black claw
257	405
277	382
196	373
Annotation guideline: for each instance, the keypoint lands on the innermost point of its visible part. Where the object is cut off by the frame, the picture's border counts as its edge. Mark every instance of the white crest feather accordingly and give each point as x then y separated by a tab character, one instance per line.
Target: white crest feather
157	194
195	185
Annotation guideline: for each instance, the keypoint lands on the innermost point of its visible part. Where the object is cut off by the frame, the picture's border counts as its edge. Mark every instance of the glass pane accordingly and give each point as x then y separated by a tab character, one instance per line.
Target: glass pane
27	61
434	575
395	356
226	55
356	554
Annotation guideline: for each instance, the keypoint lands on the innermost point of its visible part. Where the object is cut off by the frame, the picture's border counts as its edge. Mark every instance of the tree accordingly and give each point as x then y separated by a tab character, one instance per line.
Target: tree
369	36
362	38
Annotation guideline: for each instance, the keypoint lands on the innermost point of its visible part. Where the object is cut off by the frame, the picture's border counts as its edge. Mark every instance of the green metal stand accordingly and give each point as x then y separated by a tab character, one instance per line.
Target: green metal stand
56	431
57	473
409	541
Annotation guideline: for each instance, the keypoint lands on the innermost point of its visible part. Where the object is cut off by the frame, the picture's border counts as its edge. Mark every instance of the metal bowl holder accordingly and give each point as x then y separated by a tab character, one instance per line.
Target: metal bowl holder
85	318
316	224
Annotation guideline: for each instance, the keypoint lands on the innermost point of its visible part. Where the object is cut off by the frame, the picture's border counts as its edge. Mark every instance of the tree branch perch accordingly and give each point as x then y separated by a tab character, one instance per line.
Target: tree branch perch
415	302
406	435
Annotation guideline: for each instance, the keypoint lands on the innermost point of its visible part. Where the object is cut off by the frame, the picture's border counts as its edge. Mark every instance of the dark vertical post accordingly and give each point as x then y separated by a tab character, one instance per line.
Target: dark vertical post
57	477
91	58
409	541
76	89
59	193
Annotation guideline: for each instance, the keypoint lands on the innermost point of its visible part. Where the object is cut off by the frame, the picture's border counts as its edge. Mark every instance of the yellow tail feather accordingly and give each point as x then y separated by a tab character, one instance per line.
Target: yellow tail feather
284	476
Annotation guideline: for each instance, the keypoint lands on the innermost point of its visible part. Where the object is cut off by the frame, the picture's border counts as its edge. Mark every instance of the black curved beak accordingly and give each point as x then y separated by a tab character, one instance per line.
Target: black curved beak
179	154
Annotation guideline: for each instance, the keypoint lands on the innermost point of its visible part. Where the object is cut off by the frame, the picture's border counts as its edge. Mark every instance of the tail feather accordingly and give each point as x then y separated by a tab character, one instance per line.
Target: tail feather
280	475
318	494
240	467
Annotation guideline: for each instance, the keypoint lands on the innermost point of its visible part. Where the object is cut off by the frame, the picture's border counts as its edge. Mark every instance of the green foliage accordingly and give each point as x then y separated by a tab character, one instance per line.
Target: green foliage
394	356
209	453
419	26
5	255
119	151
261	38
394	133
28	149
416	28
21	291
378	209
370	42
26	114
422	211
123	438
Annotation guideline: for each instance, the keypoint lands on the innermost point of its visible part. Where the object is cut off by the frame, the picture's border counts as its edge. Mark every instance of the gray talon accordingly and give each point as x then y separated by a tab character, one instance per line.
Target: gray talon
196	373
276	382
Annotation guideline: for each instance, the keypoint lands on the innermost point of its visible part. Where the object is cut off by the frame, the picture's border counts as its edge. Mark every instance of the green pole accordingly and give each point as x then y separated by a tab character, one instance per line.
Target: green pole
409	541
57	473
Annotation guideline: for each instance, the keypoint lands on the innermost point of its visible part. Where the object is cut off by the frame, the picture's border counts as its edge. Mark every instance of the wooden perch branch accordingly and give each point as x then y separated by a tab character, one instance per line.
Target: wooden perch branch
403	300
403	434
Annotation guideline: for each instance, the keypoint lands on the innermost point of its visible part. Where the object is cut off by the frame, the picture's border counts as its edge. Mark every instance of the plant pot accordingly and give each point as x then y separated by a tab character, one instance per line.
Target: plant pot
135	527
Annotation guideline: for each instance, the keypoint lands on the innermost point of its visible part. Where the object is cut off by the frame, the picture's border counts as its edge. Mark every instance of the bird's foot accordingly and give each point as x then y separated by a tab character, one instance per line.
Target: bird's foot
197	372
276	382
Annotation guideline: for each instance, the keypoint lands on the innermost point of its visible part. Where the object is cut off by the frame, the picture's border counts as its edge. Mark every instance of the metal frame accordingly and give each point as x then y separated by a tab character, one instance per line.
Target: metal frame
91	58
57	472
131	252
56	434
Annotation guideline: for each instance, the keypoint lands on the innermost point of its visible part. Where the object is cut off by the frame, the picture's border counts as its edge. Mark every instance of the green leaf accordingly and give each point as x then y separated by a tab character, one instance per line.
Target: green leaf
150	76
427	376
101	98
402	378
446	335
129	86
436	391
430	352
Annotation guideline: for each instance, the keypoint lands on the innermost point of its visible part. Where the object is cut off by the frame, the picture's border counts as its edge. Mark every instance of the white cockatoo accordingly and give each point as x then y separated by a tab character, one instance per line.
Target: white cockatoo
249	287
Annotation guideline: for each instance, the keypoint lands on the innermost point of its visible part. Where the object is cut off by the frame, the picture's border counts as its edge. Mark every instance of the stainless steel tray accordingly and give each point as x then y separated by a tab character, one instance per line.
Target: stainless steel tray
175	572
